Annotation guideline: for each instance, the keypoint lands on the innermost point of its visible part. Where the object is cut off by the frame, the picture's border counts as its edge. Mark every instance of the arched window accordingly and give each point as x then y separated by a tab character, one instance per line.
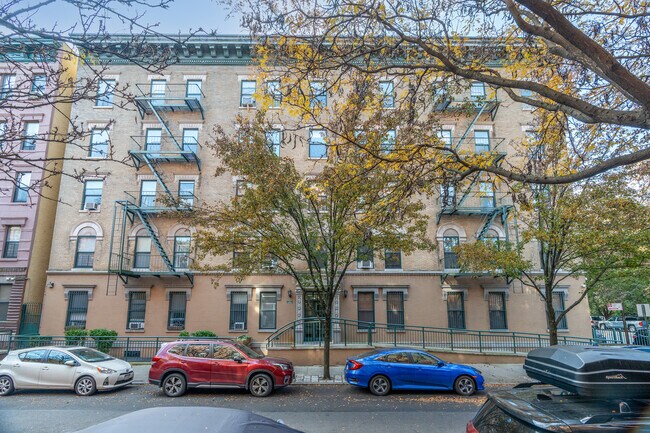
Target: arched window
182	247
491	236
450	241
85	254
142	257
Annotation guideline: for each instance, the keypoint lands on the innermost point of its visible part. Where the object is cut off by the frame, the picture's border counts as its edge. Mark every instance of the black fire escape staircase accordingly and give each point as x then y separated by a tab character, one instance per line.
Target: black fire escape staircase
131	209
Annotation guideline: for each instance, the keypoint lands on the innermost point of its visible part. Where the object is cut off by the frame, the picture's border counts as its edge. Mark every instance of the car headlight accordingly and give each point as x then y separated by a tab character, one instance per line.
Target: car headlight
282	366
103	370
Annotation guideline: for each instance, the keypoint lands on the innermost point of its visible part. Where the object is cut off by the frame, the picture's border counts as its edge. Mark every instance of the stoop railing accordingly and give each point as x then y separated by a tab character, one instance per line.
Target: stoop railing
308	332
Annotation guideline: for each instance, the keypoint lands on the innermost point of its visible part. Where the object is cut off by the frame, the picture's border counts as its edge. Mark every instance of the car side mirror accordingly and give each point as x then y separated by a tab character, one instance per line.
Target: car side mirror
238	359
70	363
441	363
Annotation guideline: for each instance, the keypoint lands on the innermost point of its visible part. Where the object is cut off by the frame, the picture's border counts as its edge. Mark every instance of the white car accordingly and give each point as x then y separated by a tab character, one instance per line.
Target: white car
80	368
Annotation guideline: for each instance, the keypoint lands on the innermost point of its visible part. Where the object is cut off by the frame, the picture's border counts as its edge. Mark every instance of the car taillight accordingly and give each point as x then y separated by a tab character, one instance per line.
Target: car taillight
354	365
155	359
471	428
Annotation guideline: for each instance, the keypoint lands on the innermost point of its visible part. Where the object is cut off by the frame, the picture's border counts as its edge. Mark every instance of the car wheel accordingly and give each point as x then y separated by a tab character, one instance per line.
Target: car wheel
601	326
631	328
85	386
6	386
174	385
465	385
379	385
260	385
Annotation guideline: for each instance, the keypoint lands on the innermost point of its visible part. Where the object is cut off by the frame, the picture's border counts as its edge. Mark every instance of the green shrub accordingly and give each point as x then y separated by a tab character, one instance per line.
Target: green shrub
203	333
184	334
104	338
246	340
75	337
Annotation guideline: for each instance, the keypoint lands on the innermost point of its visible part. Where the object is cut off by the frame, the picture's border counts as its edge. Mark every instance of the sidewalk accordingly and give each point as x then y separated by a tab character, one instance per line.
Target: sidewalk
494	374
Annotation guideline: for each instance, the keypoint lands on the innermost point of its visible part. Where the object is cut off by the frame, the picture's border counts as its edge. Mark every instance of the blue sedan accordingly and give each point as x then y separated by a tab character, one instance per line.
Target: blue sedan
383	370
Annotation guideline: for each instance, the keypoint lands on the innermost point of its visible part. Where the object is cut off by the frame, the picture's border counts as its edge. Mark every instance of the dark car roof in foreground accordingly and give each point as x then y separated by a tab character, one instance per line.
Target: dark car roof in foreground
189	419
553	408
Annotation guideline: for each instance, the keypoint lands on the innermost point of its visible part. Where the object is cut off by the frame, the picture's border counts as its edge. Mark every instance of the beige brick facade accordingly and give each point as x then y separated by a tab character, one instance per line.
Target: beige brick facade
208	305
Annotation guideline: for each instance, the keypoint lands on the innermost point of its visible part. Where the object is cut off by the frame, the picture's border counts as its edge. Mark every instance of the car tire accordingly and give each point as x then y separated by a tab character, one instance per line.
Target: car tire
6	386
602	326
379	385
260	385
465	386
174	385
85	386
631	328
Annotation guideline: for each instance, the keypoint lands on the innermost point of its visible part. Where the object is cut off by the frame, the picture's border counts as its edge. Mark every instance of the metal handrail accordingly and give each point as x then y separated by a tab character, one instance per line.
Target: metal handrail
172	91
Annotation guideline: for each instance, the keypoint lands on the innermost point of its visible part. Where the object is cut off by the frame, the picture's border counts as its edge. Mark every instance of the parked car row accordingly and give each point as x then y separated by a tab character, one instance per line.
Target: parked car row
182	365
632	323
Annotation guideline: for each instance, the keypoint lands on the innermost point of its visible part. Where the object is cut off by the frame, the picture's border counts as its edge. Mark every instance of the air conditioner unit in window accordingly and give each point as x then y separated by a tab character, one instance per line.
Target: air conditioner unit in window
239	326
365	264
136	325
91	205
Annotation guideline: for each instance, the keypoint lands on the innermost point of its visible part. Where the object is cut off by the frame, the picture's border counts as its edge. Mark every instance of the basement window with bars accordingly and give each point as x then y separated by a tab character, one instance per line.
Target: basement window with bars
137	310
177	308
558	306
395	310
456	310
238	311
77	310
497	308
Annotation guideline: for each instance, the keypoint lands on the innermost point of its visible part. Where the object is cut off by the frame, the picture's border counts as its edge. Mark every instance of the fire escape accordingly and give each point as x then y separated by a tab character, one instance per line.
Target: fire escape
477	198
160	153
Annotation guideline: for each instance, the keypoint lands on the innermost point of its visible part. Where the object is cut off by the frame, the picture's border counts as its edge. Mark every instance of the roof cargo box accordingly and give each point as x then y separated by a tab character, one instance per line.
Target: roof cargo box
592	371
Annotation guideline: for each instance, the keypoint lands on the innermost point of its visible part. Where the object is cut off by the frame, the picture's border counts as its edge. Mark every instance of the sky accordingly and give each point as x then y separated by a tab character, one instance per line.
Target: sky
181	16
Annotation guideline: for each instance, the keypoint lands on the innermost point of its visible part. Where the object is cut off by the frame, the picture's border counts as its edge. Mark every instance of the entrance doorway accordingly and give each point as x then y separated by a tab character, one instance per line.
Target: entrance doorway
313	327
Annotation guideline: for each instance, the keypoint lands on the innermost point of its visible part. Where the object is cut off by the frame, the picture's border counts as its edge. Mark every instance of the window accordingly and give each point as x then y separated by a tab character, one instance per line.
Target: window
137	309
486	194
148	193
238	311
388	142
387	93
268	310
157	90
191	139
395	310
58	358
33	356
198	350
240	187
481	141
85	249
526	94
445	137
30	134
98	143
317	145
449	242
39	82
247	98
193	89
318	94
21	191
399	357
491	236
152	139
92	196
366	309
477	91
365	257
558	306
238	259
273	141
5	296
142	258
182	252
274	91
176	315
186	193
178	349
105	91
497	308
77	309
441	96
456	310
8	82
392	259
447	195
422	359
12	241
222	351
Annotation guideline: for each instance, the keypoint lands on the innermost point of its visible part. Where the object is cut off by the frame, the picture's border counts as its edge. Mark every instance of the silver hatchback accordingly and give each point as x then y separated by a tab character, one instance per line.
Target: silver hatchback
80	368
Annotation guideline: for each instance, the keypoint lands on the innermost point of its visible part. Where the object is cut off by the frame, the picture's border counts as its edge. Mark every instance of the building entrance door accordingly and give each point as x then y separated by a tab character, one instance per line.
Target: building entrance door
313	316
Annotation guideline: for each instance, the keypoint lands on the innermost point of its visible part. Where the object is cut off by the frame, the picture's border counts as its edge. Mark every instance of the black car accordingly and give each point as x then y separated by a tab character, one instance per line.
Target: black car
537	408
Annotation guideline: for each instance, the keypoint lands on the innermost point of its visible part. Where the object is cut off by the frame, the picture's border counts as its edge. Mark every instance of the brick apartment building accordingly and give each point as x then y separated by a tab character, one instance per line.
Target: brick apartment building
118	262
29	128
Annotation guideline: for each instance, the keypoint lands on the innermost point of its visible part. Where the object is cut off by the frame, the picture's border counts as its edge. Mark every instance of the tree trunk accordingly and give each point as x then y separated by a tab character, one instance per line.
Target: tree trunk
550	318
326	346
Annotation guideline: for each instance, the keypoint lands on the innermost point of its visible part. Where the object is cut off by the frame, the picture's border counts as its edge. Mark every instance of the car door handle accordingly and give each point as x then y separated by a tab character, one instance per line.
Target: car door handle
46	368
16	365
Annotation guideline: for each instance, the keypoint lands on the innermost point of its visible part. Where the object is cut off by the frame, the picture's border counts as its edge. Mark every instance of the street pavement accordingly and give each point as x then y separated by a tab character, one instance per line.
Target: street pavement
310	408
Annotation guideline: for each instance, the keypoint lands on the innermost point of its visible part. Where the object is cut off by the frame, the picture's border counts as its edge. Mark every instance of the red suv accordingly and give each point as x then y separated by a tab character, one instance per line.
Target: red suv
217	364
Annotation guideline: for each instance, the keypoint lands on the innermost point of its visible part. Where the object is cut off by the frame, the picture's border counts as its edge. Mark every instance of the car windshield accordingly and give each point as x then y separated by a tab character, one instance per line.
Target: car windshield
248	351
90	355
